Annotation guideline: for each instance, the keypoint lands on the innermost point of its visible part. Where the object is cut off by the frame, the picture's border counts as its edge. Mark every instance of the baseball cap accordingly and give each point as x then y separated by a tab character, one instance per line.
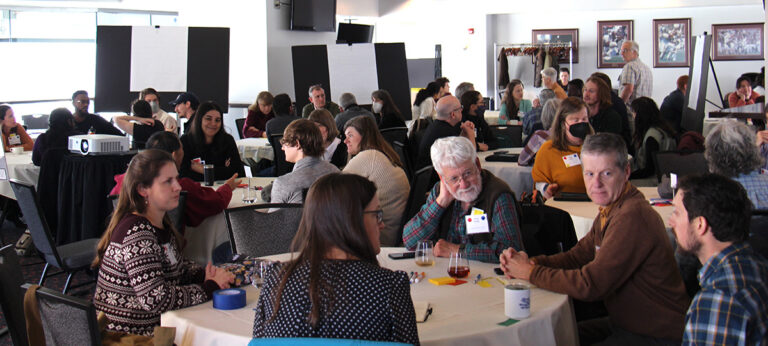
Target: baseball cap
184	97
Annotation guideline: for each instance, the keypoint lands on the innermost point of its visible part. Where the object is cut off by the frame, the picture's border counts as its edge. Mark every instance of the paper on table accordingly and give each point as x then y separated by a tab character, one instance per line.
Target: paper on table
422	310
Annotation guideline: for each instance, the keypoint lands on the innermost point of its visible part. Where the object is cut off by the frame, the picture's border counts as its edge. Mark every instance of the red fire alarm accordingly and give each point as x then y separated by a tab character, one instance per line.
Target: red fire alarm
471	31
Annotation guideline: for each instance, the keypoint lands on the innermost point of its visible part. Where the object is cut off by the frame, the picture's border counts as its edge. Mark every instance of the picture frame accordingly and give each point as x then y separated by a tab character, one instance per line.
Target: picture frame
672	42
742	41
610	35
558	36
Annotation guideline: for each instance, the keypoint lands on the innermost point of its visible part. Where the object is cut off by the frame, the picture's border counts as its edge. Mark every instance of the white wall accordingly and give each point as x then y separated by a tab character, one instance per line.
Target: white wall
516	28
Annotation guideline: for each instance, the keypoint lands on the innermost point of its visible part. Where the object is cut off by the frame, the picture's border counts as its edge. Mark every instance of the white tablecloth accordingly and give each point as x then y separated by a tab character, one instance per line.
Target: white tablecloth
462	315
20	167
583	213
212	232
517	177
255	149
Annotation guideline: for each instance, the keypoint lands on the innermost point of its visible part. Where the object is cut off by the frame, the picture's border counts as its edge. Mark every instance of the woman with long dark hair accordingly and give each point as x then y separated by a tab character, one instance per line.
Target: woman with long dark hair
372	157
335	149
424	104
513	106
335	287
388	113
141	125
208	142
652	134
141	270
61	125
14	134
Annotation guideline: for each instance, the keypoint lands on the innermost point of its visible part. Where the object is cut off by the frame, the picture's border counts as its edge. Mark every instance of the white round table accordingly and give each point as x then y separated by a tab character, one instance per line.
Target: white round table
255	148
20	168
466	314
517	177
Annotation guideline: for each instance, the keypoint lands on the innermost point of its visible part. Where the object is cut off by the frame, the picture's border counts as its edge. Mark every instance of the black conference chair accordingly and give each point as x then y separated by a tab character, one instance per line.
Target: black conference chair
12	296
758	232
403	152
35	121
281	166
395	134
70	258
254	231
423	181
66	320
680	163
508	136
240	123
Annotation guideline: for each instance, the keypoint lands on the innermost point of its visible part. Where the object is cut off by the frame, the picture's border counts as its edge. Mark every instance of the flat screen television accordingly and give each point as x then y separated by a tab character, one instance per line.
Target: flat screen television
313	15
354	33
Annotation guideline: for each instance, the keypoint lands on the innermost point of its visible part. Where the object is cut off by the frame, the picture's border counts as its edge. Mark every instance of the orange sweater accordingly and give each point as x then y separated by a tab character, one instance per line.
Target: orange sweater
26	141
550	168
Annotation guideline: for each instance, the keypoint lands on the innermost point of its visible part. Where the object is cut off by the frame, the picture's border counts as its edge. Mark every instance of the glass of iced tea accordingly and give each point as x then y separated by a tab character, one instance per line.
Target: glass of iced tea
458	265
424	255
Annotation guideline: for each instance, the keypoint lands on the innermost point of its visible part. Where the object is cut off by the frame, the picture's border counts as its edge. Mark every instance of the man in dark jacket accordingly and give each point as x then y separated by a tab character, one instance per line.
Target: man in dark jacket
672	106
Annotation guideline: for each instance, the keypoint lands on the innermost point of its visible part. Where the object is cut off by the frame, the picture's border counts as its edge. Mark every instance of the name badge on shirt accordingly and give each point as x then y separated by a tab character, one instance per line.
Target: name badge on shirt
571	160
477	223
170	253
14	139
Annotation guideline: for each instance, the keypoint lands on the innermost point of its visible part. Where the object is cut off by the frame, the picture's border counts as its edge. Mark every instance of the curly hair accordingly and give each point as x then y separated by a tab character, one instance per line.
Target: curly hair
730	150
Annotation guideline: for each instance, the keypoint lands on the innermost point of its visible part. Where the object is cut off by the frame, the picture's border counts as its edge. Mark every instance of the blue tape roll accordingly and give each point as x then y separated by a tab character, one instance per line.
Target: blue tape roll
229	299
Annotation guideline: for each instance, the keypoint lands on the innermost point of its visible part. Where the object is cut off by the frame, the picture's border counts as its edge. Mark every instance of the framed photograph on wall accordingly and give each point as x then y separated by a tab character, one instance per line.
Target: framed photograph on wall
610	35
737	41
672	42
559	36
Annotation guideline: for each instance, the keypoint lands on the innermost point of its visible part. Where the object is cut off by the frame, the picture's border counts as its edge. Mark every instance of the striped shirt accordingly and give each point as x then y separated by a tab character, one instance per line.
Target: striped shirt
639	75
732	306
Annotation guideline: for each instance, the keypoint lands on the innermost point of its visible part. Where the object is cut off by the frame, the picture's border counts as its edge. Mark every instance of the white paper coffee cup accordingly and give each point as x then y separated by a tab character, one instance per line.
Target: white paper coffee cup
517	301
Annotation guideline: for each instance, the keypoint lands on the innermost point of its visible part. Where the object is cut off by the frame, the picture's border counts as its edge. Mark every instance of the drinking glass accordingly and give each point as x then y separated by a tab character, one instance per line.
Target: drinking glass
249	194
424	255
458	265
257	279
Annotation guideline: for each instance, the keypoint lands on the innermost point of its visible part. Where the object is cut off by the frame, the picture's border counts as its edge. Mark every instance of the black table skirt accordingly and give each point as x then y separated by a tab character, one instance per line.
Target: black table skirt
84	183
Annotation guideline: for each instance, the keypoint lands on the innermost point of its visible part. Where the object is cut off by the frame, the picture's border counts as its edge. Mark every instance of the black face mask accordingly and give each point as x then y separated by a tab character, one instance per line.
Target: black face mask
579	130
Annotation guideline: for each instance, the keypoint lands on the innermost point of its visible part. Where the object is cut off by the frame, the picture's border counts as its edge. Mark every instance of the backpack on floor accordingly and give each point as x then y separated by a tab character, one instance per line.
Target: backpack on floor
24	246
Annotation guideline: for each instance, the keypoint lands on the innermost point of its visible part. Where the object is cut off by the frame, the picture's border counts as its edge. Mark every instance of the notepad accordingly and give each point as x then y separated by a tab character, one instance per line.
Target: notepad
442	281
423	310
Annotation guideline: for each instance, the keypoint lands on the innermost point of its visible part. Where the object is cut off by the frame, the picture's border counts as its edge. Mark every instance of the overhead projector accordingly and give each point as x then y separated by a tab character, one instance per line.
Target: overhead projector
98	144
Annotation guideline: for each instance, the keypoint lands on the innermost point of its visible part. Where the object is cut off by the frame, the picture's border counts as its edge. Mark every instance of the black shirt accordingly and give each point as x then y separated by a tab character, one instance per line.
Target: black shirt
436	130
484	132
672	109
391	120
214	153
277	125
142	132
100	125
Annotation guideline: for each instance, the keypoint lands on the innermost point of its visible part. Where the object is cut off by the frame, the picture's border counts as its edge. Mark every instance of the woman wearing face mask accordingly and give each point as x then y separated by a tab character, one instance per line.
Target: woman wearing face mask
474	111
558	162
208	142
13	133
385	109
513	105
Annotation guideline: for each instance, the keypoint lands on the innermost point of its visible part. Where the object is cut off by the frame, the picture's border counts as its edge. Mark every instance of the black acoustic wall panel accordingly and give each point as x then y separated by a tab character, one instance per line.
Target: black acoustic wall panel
208	65
310	67
113	69
392	70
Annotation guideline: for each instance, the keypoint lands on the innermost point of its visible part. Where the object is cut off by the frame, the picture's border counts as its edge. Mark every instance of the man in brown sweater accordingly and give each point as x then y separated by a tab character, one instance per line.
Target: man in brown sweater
626	260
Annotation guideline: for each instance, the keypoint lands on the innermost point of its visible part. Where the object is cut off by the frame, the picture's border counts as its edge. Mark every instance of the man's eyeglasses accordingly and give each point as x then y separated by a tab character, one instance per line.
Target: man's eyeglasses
464	176
379	214
461	108
83	102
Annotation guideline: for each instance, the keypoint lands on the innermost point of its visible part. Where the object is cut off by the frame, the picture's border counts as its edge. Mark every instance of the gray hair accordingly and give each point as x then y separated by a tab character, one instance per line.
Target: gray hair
451	152
548	113
549	72
545	95
346	100
606	143
633	45
730	150
315	87
462	88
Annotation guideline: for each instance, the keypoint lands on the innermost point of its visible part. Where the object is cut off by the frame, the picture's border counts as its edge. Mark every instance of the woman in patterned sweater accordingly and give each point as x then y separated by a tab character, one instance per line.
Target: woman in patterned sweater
335	287
141	271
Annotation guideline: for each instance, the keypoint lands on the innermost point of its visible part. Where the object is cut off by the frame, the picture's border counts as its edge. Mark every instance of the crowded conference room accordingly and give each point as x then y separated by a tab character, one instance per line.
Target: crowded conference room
395	172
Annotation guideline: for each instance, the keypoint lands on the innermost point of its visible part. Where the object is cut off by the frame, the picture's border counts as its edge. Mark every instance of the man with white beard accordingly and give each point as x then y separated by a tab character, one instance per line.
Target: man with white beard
469	209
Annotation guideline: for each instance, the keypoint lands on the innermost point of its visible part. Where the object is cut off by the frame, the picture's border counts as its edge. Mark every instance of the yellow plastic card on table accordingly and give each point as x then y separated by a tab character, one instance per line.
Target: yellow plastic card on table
442	281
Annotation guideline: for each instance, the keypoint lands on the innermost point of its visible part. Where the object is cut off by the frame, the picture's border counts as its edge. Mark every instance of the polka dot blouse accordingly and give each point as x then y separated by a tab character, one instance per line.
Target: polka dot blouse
359	301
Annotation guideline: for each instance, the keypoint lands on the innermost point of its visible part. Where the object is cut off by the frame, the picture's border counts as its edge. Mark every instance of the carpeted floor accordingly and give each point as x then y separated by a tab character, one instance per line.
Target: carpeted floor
32	267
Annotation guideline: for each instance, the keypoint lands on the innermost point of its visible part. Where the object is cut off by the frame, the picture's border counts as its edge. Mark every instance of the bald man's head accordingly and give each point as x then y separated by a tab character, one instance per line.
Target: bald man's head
448	106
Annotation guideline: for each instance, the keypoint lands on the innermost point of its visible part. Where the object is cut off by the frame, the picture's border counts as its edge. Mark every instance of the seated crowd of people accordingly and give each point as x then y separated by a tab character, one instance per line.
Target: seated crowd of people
581	137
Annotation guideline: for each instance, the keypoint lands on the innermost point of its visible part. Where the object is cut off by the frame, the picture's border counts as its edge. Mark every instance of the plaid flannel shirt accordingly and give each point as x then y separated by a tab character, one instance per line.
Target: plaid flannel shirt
756	185
504	225
732	306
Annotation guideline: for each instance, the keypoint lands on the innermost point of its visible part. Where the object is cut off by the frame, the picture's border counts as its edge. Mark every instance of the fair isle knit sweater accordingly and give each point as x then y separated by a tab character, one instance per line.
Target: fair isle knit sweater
142	275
